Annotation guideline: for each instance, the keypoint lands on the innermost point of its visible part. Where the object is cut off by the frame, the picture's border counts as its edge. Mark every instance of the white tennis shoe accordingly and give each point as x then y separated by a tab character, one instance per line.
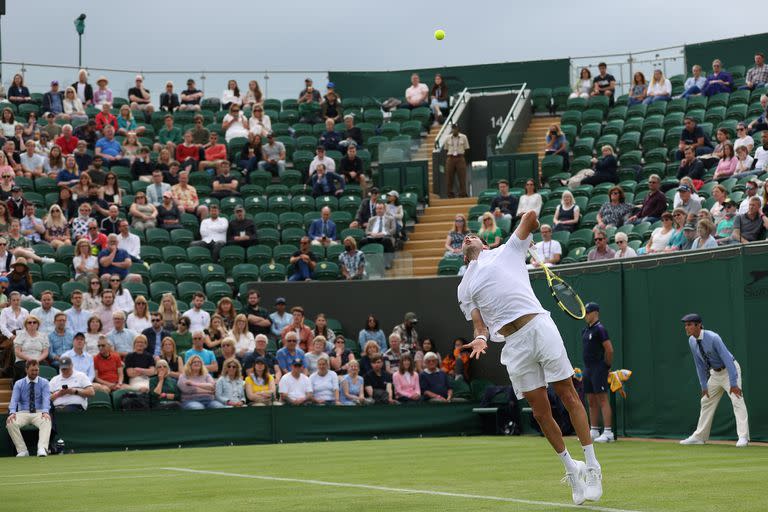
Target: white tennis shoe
594	484
605	437
576	482
692	440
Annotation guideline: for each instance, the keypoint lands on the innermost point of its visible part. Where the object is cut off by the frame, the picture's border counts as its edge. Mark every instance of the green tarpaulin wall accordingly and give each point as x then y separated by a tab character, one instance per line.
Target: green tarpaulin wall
732	52
384	84
100	430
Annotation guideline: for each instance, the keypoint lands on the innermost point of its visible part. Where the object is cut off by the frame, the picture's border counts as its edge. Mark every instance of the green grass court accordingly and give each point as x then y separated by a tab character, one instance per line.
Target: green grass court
445	474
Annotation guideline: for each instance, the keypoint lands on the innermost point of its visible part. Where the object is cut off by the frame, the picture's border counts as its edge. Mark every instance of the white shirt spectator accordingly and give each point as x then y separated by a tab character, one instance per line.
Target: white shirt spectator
545	250
236	128
418	93
246	342
743	141
295	388
46	319
155	193
214	230
198	320
744	205
323	387
137	324
660	88
10	323
6	262
529	203
761	155
260	127
743	165
32	162
628	253
228	96
677	202
81	362
76	380
328	162
130	244
124	301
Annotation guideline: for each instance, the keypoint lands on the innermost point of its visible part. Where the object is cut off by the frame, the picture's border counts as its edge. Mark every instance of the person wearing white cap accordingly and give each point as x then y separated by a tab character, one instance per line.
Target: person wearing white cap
139	97
102	94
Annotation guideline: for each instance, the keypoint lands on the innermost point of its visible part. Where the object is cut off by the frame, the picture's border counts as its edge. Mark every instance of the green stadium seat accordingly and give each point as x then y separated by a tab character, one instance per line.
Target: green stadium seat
629	141
327	271
213	272
592	116
560	96
187	272
56	272
198	255
639	110
608	139
279	204
231	255
157	237
577	103
245	272
64	254
173	254
618	113
187	289
159	288
330	201
593	130
216	290
259	254
356	233
584	146
571	117
268	236
657	108
266	220
272	272
653	139
282	253
292	235
162	272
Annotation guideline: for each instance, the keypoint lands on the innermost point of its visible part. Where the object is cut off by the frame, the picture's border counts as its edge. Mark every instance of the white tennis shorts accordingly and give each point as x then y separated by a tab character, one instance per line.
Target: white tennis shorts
535	355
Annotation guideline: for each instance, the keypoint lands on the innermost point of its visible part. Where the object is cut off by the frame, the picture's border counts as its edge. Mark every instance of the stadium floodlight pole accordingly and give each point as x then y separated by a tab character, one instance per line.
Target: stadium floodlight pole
80	27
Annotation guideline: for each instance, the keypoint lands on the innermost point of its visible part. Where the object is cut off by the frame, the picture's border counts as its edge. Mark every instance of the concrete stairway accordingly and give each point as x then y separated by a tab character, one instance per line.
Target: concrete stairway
6	387
533	140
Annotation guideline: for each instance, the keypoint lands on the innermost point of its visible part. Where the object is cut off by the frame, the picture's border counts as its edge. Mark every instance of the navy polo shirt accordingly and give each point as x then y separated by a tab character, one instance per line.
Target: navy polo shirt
593	338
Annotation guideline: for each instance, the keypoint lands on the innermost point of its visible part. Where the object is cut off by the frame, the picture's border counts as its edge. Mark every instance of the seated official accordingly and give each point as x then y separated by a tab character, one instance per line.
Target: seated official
30	405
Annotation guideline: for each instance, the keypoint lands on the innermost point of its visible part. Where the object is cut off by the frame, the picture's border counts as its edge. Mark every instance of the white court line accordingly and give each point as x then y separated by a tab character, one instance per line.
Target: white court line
59	473
403	491
68	480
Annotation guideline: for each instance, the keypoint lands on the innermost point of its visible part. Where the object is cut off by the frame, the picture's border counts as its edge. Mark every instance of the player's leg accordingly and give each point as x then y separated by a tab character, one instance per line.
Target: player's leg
567	393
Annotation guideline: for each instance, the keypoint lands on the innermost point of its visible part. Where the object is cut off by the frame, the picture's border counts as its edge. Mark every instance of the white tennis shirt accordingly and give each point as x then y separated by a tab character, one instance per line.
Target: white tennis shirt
497	284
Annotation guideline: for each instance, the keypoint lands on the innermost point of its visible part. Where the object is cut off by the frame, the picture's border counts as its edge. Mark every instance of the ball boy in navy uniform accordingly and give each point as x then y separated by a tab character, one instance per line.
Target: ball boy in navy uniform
598	356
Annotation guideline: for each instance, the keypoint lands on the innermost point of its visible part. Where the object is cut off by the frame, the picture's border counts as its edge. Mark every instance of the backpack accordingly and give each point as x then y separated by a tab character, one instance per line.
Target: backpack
134	402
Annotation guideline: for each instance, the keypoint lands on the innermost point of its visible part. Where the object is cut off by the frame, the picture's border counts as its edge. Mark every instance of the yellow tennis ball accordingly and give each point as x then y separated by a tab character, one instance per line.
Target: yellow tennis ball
440	34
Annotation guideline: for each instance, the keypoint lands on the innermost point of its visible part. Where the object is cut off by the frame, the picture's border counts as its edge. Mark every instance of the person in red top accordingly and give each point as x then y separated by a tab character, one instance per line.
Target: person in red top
95	236
304	333
105	117
66	141
188	153
214	152
108	367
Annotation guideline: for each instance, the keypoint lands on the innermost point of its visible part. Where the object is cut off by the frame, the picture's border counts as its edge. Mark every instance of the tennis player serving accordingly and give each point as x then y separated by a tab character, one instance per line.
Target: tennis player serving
496	295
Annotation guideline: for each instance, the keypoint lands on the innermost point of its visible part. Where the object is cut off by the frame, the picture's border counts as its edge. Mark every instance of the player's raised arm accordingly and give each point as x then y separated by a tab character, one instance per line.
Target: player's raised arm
529	223
480	343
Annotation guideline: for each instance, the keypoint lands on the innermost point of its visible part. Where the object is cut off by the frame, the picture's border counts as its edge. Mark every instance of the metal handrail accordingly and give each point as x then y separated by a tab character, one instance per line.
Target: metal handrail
511	114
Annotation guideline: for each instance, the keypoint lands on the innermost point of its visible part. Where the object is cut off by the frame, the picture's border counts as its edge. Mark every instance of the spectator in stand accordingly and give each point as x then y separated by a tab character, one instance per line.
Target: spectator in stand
139	320
121	338
352	390
20	279
705	229
717	211
105	310
624	250
381	230
426	346
115	262
157	188
303	261
378	383
456	363
750	226
164	390
548	251
32	227
140	98
230	390
105	118
456	147
727	164
757	76
30	405
489	233
8	123
601	251
583	86
351	133
59	339
70	174
395	210
139	365
155	334
694	84
108	367
29	344
434	382
259	124
567	213
54	164
719	81
168	214
326	183
182	335
253	96
77	317
639	89
82	361
169	100
688	204
31	163
45	313
660	88
750	191
129	242
295	387
110	149
188	153
321	158
743	138
144	214
190	97
215	153
251	154
231	95
260	384
244	341
279	318
557	144
613	212
56	228
322	231
12	316
331	108
330	138
199	318
213	232
126	123
290	352
234	123
690	166
394	353
366	210
309	94
689	235
258	317
605	171
273	156
372	332
351	167
725	226
370	349
654	203
87	137
169	135
693	136
241	231
604	83
504	204
530	200
340	355
224	184
761	122
317	350
73	107
405	381
438	98
324	383
197	386
455	238
53	100
417	95
409	337
102	95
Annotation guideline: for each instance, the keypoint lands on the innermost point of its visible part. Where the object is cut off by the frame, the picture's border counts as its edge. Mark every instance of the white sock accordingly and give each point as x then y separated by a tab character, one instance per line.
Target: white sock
594	429
568	462
607	430
589	455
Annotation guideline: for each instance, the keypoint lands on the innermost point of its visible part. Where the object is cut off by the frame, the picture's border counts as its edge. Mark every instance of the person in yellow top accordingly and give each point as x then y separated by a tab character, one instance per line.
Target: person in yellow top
260	386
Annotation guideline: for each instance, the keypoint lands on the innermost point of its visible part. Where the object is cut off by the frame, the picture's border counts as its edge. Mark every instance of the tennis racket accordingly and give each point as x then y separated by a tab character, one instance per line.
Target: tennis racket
565	296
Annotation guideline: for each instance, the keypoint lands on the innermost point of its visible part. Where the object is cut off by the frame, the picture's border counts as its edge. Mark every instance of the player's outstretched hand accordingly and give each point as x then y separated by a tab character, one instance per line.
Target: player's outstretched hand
478	346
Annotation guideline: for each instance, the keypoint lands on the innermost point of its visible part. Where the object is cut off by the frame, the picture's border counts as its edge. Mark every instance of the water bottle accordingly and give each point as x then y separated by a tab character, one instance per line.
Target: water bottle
60	446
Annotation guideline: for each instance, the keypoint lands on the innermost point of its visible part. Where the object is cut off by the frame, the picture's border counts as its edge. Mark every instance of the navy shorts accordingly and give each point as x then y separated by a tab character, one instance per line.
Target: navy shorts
596	378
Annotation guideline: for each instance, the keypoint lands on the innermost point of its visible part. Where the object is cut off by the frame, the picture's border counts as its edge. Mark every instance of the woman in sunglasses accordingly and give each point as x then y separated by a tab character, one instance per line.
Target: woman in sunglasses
123	298
455	238
230	386
29	343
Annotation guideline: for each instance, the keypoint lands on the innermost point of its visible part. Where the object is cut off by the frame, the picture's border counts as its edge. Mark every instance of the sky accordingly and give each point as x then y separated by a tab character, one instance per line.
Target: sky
311	37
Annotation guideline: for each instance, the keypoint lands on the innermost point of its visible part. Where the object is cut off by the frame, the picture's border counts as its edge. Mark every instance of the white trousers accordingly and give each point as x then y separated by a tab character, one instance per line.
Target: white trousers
717	385
23	419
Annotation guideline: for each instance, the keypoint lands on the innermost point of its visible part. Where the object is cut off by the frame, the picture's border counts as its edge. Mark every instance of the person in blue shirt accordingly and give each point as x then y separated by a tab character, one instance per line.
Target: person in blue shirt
110	149
719	81
280	319
694	84
557	144
53	100
598	356
60	339
718	372
326	183
322	231
207	356
30	405
289	353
